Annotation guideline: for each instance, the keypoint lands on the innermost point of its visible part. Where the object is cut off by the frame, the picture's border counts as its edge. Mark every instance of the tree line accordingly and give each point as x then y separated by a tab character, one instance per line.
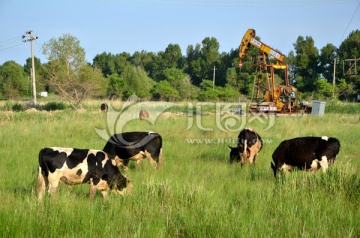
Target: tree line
203	73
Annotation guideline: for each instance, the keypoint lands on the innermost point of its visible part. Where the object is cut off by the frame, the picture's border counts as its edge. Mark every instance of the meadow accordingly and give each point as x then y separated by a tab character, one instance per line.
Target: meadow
195	193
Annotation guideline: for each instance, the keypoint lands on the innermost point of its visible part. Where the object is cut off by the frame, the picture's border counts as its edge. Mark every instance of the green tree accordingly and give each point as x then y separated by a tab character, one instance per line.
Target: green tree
172	56
147	61
67	50
116	86
195	64
306	62
104	62
350	49
210	50
137	80
324	88
201	60
40	84
326	60
181	82
208	92
28	65
13	81
67	72
164	91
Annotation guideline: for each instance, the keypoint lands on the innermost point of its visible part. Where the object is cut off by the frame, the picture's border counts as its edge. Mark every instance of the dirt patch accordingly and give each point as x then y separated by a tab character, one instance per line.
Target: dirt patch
30	110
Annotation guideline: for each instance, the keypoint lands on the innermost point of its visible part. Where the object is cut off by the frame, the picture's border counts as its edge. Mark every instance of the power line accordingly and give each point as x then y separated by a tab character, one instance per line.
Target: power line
347	27
8	47
10	40
249	3
10	43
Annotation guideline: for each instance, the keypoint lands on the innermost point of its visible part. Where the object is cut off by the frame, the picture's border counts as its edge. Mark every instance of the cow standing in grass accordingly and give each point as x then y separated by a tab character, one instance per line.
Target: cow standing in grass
77	166
248	147
135	146
305	153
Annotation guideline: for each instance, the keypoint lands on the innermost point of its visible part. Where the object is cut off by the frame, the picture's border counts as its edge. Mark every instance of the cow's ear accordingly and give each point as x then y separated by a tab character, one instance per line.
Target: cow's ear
231	148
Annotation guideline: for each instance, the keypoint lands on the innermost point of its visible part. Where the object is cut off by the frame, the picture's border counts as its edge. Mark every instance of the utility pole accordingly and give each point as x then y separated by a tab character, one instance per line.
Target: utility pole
334	78
31	39
214	77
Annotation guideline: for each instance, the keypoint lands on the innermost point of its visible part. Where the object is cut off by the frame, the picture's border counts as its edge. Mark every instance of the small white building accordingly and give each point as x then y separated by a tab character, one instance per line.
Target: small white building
44	94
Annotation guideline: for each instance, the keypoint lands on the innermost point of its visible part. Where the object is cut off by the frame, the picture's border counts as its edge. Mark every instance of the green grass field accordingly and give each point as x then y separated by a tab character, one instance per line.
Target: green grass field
196	193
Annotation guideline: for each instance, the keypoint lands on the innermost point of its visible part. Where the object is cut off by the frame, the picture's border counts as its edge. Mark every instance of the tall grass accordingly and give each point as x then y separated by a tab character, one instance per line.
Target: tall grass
196	193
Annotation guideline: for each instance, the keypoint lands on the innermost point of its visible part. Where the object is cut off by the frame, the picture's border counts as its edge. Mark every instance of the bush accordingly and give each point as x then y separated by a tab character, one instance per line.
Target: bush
52	106
17	107
342	107
8	106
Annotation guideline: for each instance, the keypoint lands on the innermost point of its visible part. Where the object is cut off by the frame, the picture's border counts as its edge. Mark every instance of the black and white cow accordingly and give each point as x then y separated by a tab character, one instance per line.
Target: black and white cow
77	166
305	153
248	146
135	146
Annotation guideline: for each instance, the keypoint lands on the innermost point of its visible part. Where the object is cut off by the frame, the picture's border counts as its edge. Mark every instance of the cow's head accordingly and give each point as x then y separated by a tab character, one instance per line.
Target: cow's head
121	185
234	154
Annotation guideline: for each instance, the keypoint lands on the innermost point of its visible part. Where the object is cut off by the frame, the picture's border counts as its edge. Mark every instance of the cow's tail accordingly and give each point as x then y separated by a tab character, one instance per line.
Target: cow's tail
160	155
42	180
273	168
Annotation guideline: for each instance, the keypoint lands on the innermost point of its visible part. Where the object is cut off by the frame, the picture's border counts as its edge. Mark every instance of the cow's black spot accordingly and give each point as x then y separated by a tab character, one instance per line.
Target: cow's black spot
79	172
76	157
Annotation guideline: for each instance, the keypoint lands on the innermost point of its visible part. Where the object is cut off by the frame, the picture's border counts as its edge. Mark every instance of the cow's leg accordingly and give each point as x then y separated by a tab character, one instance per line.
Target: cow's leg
314	165
93	189
104	194
324	163
244	154
53	179
53	185
160	160
253	158
138	157
42	183
151	160
125	164
286	168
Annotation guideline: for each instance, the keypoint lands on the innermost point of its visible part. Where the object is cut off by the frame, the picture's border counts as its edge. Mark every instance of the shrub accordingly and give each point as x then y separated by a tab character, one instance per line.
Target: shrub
17	107
8	106
52	106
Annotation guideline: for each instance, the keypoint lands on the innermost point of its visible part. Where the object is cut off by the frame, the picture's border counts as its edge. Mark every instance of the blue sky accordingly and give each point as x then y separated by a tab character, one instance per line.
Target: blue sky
133	25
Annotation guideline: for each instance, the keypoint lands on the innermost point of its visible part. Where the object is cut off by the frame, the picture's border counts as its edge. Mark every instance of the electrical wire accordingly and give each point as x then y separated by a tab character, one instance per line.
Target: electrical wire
10	40
10	43
5	48
248	3
347	27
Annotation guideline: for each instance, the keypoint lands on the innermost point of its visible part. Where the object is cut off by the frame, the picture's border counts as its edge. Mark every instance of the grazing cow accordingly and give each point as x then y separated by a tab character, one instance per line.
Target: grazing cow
143	114
135	146
305	153
104	107
77	166
249	146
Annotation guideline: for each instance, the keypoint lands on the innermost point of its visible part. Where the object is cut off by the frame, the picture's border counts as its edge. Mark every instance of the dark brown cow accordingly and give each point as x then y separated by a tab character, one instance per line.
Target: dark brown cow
77	166
248	147
104	107
305	153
